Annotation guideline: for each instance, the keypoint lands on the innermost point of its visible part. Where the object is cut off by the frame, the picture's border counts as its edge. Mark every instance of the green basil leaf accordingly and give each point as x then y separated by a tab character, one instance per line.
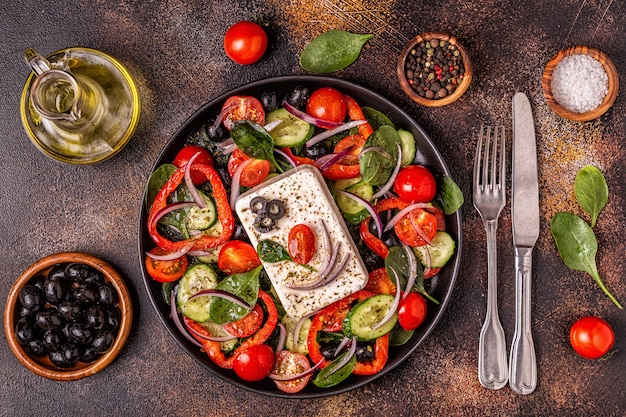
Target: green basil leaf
156	181
245	286
376	118
254	141
331	376
270	251
375	167
332	51
451	195
577	246
591	191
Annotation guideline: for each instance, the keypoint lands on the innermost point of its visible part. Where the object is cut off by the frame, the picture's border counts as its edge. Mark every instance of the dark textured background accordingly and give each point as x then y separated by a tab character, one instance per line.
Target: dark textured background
174	51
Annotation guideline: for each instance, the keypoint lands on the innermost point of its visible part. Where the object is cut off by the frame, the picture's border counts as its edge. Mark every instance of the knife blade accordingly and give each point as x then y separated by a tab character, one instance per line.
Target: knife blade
525	220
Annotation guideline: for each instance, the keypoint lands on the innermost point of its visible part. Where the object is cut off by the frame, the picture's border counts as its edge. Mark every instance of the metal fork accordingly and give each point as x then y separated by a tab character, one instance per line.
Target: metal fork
489	199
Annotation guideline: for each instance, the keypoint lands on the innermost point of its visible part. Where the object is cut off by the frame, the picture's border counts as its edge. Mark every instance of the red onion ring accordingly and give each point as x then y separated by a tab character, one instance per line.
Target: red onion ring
394	306
376	149
168	209
302	374
211	338
412	269
327	161
172	255
325	135
234	187
418	229
289	159
317	282
272	125
336	366
324	124
383	190
223	114
370	209
189	183
344	342
282	338
176	319
221	294
404	212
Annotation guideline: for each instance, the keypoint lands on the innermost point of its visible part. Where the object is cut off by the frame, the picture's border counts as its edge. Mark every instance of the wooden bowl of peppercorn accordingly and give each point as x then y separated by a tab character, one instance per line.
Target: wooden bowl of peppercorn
434	69
58	300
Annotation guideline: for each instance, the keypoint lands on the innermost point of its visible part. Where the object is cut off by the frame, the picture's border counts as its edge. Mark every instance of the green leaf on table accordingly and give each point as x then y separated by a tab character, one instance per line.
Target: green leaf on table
577	246
591	191
332	51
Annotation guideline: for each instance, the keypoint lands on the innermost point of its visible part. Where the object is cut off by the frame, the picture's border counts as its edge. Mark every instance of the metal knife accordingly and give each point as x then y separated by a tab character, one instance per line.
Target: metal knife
525	219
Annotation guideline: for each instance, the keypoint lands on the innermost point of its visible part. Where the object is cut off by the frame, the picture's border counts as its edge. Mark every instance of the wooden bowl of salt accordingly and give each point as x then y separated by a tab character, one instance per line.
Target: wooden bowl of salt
580	83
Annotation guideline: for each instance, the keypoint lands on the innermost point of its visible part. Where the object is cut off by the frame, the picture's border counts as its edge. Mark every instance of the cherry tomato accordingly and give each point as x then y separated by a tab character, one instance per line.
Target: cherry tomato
411	311
591	337
237	256
245	42
301	243
247	325
185	155
237	108
253	174
327	104
379	282
415	184
406	228
254	363
290	363
165	271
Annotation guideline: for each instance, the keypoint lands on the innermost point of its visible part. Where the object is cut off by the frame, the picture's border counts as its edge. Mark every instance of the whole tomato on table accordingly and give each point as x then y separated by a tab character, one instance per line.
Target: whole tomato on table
591	337
245	42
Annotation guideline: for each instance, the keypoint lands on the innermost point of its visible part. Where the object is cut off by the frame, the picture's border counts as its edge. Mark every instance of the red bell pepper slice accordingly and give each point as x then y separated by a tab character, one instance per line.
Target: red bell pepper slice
356	113
213	349
224	213
374	243
330	319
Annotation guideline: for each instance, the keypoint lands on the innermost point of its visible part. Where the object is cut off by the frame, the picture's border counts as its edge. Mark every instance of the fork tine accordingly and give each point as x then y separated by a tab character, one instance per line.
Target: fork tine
502	157
487	179
477	165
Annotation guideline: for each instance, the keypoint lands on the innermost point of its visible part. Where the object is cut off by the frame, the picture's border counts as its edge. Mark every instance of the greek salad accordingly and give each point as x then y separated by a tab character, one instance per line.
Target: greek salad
213	267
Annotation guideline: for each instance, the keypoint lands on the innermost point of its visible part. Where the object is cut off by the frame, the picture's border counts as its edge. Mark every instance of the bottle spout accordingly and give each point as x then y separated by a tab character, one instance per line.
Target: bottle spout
37	62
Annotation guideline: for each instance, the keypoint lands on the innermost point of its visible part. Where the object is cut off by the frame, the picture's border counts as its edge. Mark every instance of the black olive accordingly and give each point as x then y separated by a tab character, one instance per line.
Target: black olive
85	294
298	96
71	353
316	151
258	205
275	209
25	331
80	333
30	297
57	272
239	233
37	282
264	224
223	171
365	352
48	320
58	359
328	352
269	100
371	260
53	290
36	348
95	317
88	354
215	133
24	312
103	341
53	339
77	271
107	294
94	277
114	318
69	310
390	238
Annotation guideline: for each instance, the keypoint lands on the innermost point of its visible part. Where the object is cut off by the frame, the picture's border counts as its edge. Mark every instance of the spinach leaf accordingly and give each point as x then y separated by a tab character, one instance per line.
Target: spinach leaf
376	118
156	181
397	261
332	51
270	251
245	286
376	167
591	191
577	246
450	194
254	141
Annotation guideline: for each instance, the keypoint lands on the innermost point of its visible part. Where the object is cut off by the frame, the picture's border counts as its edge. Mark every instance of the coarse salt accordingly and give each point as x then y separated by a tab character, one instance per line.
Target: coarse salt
579	83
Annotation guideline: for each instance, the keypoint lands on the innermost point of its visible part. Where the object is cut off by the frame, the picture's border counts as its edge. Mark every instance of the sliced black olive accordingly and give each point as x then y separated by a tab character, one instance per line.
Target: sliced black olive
275	209
103	341
25	331
215	133
77	271
258	205
316	151
328	352
95	317
30	297
48	320
365	352
107	294
264	224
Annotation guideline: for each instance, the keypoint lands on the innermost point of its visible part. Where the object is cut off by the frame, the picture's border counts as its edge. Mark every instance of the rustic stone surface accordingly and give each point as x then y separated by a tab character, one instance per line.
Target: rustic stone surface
174	51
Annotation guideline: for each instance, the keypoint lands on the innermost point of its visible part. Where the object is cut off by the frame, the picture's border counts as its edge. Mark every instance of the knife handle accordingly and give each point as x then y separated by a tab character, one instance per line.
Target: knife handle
522	363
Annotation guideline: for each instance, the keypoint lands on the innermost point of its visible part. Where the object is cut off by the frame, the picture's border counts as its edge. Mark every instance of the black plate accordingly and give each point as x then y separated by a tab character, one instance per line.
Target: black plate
427	155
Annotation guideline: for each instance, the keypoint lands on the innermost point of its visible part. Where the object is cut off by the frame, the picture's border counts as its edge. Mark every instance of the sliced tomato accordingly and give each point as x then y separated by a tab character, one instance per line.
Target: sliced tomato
431	272
237	108
253	174
301	243
165	271
204	157
379	282
247	325
374	243
237	256
441	219
417	228
328	104
291	363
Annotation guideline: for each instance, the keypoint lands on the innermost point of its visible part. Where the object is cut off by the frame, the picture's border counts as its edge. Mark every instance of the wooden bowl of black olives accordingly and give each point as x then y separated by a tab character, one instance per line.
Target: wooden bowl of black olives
68	316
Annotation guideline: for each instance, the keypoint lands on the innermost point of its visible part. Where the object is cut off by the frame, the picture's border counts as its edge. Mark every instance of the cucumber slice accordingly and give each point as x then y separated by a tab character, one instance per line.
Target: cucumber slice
197	278
211	255
292	131
353	212
202	218
407	141
290	324
218	330
438	252
366	314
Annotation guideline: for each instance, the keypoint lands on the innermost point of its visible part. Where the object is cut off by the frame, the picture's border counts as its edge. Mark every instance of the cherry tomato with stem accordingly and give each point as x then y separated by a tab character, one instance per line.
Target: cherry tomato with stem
237	256
415	184
245	42
165	271
328	104
237	108
301	243
254	363
591	337
204	157
253	174
412	311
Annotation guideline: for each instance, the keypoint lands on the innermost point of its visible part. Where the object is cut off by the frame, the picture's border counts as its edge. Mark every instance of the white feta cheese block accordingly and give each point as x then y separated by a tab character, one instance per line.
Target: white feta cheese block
307	200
